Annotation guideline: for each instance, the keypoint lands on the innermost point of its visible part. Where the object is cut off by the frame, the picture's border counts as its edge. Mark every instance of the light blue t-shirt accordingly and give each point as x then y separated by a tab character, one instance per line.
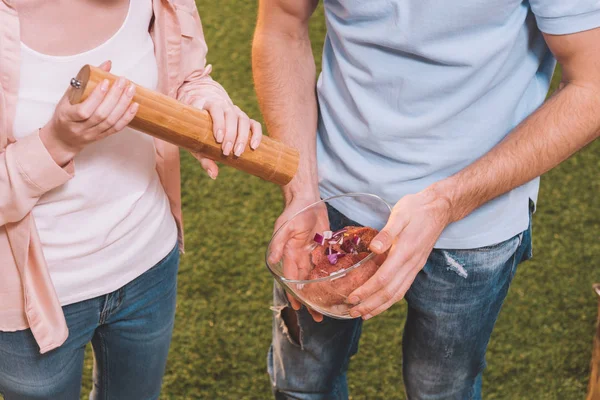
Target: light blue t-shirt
413	91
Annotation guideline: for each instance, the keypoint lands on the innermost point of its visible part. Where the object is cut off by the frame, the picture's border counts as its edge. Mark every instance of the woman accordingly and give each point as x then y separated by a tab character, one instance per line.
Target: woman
90	210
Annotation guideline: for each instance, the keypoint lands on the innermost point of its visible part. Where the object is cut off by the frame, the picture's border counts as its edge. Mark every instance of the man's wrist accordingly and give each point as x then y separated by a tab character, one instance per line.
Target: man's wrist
446	193
304	193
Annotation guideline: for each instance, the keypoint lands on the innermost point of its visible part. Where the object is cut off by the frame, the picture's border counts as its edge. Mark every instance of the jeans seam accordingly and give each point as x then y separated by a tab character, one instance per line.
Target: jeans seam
105	310
120	297
104	382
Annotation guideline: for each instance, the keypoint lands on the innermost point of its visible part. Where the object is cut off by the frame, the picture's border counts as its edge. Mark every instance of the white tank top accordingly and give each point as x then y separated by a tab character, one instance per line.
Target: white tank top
112	221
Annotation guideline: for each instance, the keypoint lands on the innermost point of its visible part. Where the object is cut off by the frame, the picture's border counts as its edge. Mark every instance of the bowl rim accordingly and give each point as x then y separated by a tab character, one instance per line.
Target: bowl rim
337	274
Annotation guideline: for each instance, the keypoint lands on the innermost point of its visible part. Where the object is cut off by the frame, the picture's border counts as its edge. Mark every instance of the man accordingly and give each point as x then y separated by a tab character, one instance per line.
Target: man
435	106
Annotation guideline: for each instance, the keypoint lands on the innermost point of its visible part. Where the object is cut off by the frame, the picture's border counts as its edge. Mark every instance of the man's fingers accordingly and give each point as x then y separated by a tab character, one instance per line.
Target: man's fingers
296	305
256	134
401	292
283	234
317	316
387	273
385	239
379	294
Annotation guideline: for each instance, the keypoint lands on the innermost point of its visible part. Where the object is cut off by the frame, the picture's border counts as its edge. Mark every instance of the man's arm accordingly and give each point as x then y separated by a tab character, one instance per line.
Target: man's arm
285	77
563	125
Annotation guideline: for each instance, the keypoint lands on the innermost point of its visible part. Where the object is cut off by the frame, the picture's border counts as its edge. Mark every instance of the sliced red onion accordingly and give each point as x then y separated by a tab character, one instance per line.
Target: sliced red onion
327	234
339	240
328	251
356	240
334	257
338	233
319	239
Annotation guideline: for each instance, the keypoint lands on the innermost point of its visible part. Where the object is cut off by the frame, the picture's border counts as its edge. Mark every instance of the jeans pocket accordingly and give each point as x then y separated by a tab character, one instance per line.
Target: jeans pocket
475	263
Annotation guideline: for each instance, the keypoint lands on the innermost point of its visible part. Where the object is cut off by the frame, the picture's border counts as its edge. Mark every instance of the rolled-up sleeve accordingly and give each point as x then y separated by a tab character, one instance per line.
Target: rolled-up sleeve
562	17
27	171
198	86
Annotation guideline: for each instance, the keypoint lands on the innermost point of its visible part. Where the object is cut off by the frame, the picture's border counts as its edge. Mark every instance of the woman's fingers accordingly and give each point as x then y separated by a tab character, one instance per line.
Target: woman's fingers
218	118
123	121
257	134
119	110
243	133
106	66
110	101
84	110
208	165
231	126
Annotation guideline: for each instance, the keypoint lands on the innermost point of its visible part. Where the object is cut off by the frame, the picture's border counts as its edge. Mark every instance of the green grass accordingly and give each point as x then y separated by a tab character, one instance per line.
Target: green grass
542	343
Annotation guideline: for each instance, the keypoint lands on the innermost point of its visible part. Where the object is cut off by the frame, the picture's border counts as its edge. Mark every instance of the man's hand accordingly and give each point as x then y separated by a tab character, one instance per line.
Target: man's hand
291	242
414	226
550	135
284	73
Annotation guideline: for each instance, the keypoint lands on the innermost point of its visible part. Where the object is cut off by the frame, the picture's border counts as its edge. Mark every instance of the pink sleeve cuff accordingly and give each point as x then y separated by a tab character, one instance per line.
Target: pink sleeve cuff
37	165
200	88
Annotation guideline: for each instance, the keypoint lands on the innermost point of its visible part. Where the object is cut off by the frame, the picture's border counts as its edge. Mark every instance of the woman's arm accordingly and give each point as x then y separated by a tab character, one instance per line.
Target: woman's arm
27	171
42	161
231	126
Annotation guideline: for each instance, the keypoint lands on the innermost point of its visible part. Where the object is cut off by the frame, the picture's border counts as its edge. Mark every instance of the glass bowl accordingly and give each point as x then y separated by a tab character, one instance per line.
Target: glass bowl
290	254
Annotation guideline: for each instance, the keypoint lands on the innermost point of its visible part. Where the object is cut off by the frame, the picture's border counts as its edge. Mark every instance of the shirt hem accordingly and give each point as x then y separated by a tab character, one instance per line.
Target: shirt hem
569	24
479	240
127	278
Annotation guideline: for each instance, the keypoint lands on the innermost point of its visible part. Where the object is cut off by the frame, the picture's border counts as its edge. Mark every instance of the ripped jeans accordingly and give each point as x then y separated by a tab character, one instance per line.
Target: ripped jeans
453	305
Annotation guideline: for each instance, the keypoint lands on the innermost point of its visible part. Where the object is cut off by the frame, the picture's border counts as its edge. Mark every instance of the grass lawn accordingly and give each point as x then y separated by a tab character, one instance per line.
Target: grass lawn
542	343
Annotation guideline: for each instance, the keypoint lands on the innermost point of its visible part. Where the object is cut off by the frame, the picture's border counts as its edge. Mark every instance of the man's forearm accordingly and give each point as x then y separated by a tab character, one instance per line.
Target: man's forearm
563	125
285	78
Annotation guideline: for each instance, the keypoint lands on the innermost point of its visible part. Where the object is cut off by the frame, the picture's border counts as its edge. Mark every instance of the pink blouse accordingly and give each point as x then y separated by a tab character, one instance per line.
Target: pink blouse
27	171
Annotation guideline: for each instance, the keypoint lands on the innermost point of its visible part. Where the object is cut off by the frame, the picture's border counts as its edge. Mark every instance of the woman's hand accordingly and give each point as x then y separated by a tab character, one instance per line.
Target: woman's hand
233	129
105	112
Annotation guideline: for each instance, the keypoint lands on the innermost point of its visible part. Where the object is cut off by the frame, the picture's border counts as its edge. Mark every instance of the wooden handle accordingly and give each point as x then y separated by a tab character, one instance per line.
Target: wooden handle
172	121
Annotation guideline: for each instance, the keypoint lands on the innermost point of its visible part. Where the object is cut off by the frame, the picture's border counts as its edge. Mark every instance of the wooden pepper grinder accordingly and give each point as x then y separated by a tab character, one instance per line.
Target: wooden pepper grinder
190	128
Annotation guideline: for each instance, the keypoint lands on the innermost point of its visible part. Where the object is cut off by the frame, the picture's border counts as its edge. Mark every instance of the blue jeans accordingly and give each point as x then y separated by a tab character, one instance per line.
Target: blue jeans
452	308
130	330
